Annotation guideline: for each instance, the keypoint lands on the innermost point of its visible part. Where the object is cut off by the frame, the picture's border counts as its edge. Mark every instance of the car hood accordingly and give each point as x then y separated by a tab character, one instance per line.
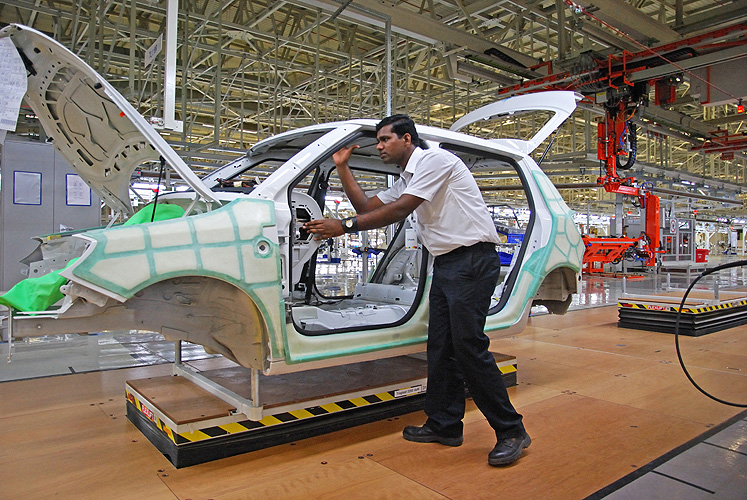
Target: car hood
94	128
560	103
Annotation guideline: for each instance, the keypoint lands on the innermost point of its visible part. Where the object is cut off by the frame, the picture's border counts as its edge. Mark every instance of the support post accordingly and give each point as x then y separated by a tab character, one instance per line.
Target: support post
10	333
178	352
250	408
169	83
255	387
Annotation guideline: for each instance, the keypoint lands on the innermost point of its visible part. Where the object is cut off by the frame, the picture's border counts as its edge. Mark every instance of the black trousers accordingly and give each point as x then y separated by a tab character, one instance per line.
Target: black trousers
463	282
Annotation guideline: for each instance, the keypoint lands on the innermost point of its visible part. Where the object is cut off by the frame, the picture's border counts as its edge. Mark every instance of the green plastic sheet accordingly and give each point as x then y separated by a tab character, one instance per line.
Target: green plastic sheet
36	294
163	212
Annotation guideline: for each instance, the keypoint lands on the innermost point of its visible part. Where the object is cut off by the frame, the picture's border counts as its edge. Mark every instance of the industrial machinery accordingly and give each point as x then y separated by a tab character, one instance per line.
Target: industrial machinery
621	84
616	148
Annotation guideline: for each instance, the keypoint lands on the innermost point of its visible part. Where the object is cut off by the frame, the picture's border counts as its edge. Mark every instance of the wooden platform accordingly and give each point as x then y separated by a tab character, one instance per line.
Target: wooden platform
599	402
190	425
703	312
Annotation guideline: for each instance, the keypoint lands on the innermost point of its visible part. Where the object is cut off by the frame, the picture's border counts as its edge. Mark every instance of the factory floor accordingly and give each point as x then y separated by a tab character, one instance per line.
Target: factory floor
610	412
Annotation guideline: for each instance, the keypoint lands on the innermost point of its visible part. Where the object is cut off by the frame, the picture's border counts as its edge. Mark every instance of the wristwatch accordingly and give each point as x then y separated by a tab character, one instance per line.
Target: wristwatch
350	225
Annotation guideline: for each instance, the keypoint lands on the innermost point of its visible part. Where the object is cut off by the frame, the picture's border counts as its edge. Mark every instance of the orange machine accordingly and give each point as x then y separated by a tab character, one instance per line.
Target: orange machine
601	251
616	148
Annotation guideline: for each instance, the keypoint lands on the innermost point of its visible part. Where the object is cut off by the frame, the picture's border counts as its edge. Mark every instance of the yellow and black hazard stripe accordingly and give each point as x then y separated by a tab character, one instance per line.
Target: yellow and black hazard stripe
314	411
660	308
505	370
148	413
650	307
270	420
719	307
280	418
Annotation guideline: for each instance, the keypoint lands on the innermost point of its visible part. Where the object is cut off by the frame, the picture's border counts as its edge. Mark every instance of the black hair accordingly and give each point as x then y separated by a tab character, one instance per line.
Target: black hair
401	125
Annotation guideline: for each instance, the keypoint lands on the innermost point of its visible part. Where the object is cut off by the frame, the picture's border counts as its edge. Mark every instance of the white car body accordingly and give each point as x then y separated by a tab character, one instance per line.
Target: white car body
236	273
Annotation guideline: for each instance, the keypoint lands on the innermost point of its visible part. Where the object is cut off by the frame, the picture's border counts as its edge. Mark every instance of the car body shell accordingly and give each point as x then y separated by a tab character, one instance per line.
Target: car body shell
226	274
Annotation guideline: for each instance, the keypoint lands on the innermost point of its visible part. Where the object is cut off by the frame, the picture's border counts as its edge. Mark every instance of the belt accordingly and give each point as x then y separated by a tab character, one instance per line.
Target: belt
476	246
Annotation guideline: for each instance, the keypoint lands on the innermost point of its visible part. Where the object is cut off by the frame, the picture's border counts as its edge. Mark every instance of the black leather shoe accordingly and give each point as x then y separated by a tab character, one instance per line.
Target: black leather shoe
508	451
426	435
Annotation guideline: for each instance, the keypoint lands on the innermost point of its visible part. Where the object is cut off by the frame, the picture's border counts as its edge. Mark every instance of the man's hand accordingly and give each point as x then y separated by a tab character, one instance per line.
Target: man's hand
323	229
342	156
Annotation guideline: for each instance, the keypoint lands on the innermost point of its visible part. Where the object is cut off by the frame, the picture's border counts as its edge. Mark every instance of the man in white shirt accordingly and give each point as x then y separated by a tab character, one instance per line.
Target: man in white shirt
455	226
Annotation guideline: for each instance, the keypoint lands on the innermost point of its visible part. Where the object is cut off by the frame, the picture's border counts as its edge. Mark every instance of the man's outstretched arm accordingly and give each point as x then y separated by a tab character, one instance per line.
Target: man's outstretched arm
382	216
361	202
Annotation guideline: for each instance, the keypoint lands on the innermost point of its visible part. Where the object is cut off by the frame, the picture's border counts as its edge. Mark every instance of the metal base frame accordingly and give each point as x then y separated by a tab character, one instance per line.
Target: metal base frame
251	427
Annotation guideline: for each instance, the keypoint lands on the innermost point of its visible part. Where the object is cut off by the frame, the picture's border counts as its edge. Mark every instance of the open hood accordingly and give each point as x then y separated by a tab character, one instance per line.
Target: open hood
561	103
97	131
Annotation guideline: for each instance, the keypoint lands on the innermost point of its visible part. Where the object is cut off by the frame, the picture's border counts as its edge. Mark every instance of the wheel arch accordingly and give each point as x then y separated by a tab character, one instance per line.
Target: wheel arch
213	313
557	289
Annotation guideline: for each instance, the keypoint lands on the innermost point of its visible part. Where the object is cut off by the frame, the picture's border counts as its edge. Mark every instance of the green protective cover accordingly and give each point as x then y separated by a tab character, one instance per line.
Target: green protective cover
163	212
37	294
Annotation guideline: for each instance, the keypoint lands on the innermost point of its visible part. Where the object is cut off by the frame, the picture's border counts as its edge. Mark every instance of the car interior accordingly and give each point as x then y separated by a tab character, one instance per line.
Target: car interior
385	285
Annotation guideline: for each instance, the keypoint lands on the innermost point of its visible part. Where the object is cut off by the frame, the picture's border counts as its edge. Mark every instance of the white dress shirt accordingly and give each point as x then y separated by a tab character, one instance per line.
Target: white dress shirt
453	213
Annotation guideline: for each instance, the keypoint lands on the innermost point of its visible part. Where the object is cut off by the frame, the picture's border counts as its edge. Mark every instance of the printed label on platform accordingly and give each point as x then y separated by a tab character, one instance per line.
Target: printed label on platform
410	391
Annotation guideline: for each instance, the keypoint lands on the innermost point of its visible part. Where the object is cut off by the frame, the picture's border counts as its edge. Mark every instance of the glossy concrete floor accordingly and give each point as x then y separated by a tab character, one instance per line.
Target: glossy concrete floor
610	413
